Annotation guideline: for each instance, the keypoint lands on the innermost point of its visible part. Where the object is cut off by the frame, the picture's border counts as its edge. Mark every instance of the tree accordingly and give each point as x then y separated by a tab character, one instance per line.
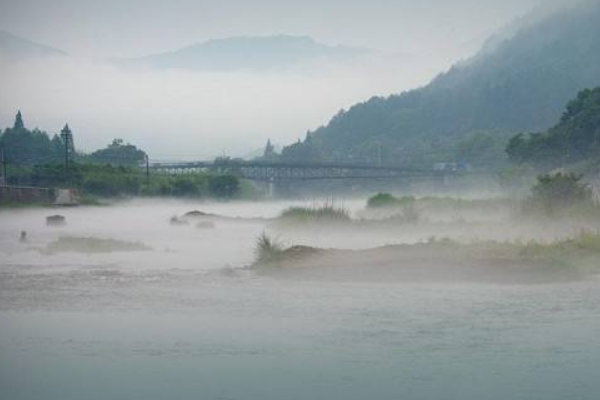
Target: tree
269	152
119	153
556	194
576	138
18	125
306	151
24	146
224	186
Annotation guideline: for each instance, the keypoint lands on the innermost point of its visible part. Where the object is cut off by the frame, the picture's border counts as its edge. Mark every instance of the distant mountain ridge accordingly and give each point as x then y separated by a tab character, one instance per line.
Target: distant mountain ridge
246	52
518	84
14	48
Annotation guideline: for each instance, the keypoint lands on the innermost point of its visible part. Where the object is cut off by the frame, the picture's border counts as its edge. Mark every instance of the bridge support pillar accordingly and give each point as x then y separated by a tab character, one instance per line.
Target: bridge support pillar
271	188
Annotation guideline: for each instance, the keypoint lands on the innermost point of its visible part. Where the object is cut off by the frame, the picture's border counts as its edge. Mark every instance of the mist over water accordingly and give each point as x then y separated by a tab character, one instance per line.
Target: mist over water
187	320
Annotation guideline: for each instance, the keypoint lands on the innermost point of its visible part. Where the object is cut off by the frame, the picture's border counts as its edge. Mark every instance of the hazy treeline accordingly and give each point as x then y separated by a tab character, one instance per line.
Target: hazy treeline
35	158
23	146
108	180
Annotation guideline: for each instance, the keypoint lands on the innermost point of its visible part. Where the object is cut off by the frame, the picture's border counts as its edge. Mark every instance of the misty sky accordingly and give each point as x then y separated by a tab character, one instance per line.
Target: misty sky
136	27
207	114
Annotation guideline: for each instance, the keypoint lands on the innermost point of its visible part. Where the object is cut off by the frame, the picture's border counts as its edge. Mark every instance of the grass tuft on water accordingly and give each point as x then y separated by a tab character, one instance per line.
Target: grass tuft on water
271	252
91	245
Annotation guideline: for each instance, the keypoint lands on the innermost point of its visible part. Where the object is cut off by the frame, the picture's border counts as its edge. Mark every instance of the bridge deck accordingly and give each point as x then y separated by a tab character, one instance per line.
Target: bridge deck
269	171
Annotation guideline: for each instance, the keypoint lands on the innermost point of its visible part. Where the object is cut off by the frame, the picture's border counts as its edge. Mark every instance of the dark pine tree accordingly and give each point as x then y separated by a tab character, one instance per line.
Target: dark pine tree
18	125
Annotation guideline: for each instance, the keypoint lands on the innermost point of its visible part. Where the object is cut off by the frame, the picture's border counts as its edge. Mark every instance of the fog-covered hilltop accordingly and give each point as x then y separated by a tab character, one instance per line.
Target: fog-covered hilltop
17	49
246	53
520	82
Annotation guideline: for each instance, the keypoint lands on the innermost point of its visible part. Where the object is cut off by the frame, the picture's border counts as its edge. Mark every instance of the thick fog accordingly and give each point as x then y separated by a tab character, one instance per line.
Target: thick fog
192	114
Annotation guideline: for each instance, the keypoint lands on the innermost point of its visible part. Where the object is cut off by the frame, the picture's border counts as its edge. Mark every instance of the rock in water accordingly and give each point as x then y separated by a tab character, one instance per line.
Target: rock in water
56	220
176	221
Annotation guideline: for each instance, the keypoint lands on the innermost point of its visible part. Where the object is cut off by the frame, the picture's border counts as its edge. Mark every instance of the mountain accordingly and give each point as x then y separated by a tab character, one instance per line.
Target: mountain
16	49
246	53
518	82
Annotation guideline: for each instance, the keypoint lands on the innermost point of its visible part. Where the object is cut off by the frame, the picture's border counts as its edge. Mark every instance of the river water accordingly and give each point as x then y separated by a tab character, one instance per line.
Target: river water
186	321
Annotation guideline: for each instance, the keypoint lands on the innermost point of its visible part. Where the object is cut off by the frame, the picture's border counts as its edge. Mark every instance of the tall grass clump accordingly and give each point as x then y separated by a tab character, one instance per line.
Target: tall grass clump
401	209
582	249
327	212
267	249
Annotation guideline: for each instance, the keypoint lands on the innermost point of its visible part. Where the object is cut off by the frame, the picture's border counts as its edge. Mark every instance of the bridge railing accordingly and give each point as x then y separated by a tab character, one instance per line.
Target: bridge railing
270	171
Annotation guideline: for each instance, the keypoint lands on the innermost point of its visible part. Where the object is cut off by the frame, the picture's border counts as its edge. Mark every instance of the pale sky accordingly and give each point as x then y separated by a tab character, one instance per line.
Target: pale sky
135	27
175	114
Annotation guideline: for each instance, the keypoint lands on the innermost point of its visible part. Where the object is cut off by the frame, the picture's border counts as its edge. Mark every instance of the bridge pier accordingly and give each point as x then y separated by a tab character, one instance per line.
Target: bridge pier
271	188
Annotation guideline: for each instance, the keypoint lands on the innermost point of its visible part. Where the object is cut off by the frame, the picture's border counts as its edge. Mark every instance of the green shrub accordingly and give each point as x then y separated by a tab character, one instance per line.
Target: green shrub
224	186
381	200
561	194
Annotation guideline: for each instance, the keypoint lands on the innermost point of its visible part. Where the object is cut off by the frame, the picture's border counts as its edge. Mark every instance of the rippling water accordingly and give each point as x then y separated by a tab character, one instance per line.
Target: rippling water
184	321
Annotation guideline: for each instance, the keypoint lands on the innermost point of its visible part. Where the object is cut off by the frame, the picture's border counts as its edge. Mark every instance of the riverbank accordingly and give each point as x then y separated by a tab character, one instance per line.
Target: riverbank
442	260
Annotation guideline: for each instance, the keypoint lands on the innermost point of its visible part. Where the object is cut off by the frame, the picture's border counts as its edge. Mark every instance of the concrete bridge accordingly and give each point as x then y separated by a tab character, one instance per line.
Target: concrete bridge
272	171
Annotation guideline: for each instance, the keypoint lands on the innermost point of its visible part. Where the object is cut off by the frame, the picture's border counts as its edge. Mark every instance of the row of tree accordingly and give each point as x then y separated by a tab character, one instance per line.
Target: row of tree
111	180
35	158
23	146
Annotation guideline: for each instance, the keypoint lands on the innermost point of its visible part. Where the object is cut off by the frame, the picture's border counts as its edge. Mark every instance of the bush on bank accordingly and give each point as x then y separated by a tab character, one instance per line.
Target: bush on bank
561	195
116	181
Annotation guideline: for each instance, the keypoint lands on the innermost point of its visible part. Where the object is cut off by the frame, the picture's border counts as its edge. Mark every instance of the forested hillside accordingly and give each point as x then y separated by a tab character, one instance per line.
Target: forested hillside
575	139
521	84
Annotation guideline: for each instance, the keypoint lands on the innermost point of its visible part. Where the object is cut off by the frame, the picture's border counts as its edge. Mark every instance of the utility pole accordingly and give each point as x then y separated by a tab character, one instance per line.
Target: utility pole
4	179
147	171
67	138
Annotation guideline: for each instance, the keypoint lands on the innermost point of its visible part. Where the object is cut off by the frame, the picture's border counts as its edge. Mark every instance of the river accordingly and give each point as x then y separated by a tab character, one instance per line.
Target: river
186	320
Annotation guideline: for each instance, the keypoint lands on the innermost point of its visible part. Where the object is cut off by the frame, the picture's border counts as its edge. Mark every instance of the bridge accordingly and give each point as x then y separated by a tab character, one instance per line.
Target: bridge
276	171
